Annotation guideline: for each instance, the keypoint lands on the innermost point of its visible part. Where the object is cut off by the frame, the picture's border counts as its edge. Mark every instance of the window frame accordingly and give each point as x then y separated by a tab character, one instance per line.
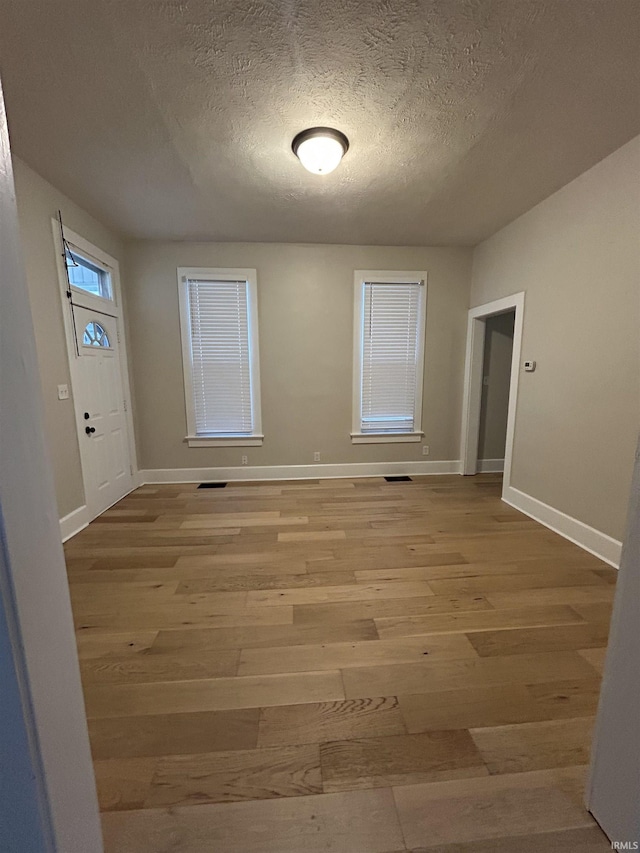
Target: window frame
192	438
362	277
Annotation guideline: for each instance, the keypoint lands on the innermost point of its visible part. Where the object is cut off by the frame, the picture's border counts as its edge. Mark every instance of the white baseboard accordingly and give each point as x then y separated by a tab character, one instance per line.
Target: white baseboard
74	522
490	466
592	540
298	472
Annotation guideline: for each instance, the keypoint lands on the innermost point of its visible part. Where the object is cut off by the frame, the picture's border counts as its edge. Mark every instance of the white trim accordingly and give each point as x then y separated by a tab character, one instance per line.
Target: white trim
588	538
214	274
490	466
386	277
74	522
224	440
298	472
384	438
80	518
473	382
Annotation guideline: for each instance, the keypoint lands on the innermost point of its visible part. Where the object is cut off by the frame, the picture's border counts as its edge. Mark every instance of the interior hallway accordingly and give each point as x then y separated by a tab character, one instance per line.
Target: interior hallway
352	666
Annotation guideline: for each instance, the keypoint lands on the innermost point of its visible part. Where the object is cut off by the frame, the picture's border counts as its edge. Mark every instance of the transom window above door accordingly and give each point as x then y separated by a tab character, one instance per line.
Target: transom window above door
88	275
219	325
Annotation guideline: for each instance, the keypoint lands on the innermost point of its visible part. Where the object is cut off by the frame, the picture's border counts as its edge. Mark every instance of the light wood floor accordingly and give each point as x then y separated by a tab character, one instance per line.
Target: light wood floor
350	666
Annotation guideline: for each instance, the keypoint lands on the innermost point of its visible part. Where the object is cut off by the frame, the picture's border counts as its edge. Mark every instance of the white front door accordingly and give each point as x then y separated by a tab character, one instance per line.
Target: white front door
100	411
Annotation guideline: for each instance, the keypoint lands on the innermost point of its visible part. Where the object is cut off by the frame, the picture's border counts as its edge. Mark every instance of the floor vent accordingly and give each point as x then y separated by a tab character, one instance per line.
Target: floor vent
402	479
212	485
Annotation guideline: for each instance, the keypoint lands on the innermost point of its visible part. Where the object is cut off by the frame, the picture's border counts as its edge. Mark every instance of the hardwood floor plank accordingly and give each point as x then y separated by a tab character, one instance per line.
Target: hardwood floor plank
342	655
263	636
588	839
330	721
259	581
399	760
221	579
174	734
123	783
469	621
312	536
168	667
435	676
595	656
191	617
370	557
330	594
503	704
216	694
262	561
549	638
252	520
564	595
492	807
132	560
510	582
120	592
114	644
535	746
380	609
599	611
429	573
353	822
213	602
225	777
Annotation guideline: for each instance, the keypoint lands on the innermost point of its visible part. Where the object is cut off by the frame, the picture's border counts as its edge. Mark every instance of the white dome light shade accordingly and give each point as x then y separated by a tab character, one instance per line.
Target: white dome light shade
320	149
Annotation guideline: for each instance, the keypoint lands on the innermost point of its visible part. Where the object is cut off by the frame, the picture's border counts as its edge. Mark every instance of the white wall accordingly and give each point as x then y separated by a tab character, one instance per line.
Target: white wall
576	255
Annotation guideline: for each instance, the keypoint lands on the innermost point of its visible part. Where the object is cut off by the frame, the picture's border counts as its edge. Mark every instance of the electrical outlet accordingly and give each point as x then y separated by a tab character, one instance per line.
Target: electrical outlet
425	449
316	456
245	460
63	392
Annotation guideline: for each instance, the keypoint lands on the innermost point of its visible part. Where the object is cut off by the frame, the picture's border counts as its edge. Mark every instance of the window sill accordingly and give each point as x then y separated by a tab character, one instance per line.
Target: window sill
224	440
385	437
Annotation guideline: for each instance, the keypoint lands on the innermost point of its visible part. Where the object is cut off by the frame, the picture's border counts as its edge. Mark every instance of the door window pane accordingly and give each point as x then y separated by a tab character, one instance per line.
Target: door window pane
95	335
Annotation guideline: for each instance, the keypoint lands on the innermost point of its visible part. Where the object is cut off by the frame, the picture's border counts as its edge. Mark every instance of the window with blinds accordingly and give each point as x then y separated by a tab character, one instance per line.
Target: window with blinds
219	328
389	355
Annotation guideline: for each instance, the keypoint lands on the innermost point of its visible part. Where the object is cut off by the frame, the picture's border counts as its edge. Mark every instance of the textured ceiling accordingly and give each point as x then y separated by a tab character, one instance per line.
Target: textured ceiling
174	119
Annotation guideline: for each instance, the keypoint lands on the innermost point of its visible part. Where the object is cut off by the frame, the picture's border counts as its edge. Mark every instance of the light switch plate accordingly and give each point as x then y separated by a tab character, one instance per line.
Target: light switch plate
529	366
63	392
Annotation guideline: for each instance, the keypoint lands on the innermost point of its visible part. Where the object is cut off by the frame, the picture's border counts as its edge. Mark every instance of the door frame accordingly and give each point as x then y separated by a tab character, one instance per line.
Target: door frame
85	247
472	394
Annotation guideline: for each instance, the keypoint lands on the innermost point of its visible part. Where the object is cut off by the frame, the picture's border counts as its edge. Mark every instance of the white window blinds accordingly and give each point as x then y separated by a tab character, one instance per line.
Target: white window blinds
220	357
390	352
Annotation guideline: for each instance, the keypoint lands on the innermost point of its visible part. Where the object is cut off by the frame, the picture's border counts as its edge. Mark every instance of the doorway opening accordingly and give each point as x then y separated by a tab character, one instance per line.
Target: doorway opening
494	399
494	338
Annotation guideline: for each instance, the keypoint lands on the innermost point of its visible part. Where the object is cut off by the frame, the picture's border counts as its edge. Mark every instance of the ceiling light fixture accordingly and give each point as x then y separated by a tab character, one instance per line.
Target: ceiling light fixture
320	149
